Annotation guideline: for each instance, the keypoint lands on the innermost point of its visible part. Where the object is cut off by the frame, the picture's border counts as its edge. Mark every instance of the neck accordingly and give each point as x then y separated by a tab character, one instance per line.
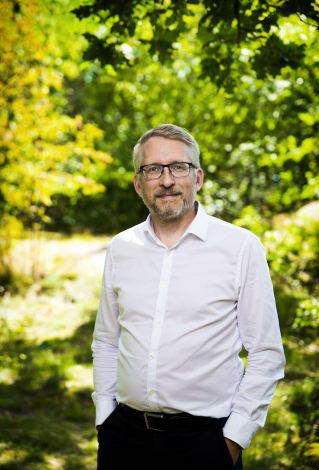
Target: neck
169	231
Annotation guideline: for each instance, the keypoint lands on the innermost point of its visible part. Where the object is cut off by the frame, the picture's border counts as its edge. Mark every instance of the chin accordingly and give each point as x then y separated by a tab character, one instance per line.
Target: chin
170	213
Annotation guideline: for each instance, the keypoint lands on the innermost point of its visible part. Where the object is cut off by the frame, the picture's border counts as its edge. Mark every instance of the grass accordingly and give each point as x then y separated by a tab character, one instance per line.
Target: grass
47	415
46	411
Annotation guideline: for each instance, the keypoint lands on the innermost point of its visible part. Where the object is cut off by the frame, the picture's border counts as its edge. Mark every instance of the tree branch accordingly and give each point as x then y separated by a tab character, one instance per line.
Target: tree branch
236	6
239	25
310	24
298	14
274	6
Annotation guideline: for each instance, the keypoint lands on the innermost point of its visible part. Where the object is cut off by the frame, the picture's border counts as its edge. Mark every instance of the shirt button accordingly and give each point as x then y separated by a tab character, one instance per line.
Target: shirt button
158	320
152	356
168	253
150	392
163	286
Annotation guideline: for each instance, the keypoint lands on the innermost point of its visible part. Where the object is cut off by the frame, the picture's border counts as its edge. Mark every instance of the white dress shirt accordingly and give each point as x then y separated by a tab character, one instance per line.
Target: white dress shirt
171	323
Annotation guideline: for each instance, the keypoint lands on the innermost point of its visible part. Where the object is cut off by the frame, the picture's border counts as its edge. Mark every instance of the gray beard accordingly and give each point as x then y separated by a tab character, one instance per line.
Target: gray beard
171	213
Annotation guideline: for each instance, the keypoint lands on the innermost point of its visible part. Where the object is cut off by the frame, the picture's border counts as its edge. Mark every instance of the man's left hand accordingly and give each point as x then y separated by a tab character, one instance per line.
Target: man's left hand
233	448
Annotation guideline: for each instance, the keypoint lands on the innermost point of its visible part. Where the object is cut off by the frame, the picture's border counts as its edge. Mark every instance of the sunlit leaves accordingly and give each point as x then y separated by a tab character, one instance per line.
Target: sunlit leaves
43	151
223	28
307	318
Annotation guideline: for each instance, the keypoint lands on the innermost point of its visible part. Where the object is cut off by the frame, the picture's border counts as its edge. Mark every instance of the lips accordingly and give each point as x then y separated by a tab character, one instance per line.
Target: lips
167	195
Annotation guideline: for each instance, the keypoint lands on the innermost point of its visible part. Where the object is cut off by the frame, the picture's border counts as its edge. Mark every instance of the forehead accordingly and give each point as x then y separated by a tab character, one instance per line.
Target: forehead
161	150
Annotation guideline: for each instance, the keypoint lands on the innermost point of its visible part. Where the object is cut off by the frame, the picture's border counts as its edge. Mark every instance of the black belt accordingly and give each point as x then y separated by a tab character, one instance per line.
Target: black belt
169	421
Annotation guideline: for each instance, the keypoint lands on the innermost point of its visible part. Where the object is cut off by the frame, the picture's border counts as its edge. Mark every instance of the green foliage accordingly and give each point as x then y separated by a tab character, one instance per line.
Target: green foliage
222	32
275	55
46	411
77	90
303	398
43	151
307	318
258	141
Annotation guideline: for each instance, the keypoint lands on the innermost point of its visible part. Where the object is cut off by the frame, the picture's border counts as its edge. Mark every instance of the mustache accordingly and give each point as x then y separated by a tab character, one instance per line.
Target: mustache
167	193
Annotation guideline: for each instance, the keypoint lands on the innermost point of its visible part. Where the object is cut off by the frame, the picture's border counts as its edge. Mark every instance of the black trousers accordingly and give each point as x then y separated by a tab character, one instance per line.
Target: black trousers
123	440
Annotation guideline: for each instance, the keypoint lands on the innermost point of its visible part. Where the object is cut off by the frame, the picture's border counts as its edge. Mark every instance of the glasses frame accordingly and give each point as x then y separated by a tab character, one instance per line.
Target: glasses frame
190	165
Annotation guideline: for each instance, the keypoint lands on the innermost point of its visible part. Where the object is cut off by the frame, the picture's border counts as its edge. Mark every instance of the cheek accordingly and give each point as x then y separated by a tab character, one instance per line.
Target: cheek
146	193
141	189
193	186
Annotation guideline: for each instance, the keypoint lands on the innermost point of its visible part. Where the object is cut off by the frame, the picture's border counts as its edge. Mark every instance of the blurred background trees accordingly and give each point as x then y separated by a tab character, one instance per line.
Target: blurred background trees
81	81
44	151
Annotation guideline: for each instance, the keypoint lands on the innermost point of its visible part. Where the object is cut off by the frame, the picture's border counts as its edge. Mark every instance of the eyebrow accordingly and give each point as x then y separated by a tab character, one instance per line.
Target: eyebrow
175	161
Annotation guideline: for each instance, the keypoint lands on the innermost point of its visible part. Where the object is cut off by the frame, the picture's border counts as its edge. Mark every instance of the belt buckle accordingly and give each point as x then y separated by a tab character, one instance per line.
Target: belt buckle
153	415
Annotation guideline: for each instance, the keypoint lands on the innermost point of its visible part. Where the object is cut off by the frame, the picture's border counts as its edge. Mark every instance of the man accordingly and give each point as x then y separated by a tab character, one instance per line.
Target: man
181	293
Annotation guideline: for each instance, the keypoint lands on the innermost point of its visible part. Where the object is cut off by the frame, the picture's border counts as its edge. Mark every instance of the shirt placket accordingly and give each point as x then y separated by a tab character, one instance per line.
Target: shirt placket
157	330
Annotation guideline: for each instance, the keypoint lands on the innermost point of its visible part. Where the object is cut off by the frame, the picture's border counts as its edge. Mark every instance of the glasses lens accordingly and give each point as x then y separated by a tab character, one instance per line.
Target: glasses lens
152	172
179	169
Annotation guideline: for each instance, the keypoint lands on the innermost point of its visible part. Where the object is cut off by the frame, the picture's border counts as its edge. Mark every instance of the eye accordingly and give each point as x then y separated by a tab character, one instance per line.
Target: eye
153	169
179	167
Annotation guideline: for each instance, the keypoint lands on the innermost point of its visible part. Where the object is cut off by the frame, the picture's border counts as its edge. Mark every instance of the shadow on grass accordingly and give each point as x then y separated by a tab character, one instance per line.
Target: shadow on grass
43	423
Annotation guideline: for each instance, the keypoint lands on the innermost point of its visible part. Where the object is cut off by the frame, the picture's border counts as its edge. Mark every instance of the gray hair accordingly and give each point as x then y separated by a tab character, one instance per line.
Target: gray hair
169	131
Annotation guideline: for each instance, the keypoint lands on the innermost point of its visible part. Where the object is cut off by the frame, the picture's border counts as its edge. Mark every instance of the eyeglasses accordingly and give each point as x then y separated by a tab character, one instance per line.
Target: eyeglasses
155	171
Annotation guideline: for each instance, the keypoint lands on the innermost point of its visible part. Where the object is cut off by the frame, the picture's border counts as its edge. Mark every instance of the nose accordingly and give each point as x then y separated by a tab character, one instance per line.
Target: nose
166	178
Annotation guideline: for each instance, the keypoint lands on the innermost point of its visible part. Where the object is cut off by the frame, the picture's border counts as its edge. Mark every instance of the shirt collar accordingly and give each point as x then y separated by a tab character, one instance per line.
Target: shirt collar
198	227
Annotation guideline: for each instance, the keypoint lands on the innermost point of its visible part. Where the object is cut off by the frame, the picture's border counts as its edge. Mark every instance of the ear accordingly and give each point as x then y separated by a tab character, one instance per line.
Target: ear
200	179
137	185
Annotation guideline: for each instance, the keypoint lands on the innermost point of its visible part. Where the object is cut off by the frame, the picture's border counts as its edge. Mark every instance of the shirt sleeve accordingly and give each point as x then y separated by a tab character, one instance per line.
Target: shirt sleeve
105	346
260	334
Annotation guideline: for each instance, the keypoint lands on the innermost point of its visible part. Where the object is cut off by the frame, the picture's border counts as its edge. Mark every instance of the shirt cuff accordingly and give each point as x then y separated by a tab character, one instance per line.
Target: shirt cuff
240	429
103	410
